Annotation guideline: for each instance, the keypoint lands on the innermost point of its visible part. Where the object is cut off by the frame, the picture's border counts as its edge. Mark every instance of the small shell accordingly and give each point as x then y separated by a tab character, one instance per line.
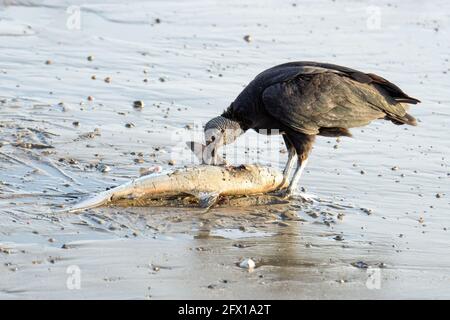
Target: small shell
103	168
247	264
138	104
151	170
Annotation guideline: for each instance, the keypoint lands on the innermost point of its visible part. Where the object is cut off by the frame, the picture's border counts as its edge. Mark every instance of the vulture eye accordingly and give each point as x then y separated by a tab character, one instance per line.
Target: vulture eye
213	138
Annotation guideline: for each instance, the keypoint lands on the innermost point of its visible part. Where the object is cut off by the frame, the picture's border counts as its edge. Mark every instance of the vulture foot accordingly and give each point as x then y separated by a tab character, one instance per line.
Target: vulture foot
287	194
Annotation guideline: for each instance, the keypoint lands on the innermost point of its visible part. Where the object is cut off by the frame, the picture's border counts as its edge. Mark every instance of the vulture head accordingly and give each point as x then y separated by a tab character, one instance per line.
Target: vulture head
219	131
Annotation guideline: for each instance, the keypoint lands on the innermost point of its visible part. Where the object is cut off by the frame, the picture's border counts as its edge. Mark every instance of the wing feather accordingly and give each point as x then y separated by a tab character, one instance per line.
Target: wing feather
369	78
324	100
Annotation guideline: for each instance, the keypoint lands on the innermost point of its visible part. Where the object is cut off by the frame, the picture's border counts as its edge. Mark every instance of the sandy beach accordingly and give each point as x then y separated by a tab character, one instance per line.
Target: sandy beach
70	71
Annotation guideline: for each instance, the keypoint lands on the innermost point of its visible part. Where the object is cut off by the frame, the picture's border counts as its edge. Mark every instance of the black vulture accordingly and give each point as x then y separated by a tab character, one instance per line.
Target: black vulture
303	99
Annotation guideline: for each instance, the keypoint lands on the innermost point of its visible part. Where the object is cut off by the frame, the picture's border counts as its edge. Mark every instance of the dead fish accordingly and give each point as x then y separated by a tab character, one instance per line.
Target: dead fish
205	182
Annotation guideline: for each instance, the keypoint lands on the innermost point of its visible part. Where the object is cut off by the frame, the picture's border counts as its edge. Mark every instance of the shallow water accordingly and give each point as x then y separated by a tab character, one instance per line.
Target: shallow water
196	62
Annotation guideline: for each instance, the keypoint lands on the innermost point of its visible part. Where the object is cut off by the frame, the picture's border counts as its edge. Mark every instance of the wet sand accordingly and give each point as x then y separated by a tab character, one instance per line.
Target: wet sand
381	199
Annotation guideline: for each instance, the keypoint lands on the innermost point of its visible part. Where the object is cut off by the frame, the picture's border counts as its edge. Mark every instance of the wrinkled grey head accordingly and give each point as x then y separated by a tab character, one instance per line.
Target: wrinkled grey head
220	131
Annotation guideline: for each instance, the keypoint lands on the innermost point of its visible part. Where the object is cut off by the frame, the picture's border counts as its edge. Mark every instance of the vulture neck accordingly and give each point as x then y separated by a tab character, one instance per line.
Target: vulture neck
234	119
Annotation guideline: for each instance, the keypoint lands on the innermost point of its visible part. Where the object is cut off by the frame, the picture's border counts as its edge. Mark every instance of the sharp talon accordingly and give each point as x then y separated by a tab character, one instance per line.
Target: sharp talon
305	199
277	193
283	185
283	194
287	195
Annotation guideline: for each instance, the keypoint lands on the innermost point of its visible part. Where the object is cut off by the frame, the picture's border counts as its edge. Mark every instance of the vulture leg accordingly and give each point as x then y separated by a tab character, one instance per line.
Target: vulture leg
296	178
303	144
291	161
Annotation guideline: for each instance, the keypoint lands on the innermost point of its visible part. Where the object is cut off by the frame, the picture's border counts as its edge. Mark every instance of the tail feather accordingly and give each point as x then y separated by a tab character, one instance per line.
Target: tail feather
334	132
399	120
408	99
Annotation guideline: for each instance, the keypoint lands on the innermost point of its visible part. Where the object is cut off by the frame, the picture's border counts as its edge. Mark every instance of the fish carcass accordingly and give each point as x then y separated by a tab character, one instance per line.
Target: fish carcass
204	182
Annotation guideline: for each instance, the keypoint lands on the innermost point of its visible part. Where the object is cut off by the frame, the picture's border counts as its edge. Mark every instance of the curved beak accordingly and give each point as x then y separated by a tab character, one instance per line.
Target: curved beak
210	154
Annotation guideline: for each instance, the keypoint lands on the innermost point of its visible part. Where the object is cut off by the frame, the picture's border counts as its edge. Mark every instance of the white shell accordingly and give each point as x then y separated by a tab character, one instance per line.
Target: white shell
150	170
247	264
103	168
